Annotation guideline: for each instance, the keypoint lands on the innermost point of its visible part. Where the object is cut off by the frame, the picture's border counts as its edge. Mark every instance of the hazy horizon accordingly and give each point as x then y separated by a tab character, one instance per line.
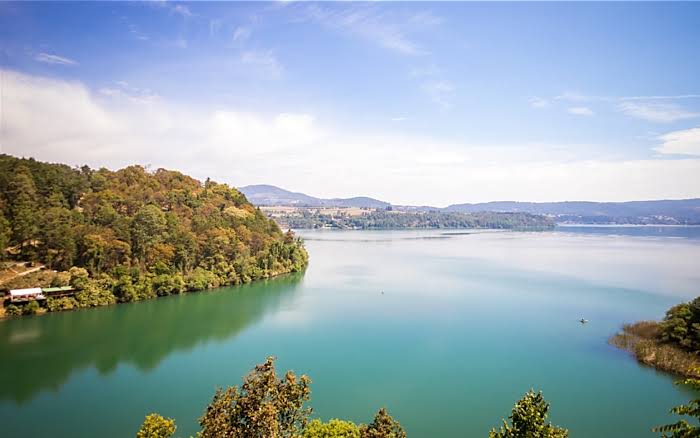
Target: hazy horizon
412	103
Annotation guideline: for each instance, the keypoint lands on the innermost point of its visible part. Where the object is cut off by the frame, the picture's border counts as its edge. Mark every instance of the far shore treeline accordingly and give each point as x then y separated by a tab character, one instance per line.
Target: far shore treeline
132	234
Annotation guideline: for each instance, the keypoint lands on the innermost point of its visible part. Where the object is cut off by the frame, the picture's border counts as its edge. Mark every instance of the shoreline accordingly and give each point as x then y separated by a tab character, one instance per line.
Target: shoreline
44	311
641	339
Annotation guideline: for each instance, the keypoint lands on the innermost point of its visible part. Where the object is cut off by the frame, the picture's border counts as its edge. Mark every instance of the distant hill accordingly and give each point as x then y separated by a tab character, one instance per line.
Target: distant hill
683	211
264	194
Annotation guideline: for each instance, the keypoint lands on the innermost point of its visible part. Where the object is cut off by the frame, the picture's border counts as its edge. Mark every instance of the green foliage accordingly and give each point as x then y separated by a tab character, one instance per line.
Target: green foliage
201	279
332	429
681	326
528	420
61	303
383	426
31	308
5	235
144	234
78	277
93	295
13	310
682	428
22	200
166	284
379	219
265	406
156	426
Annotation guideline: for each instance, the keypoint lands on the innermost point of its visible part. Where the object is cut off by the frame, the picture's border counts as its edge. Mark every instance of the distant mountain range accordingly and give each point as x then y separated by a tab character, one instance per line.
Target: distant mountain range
263	194
683	211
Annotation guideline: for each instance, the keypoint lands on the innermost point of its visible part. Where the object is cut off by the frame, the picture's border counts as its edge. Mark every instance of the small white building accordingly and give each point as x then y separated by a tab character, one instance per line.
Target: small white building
20	295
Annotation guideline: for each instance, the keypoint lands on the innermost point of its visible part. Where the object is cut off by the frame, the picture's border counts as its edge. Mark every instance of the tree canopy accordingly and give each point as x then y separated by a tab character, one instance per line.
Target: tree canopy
681	326
528	420
264	406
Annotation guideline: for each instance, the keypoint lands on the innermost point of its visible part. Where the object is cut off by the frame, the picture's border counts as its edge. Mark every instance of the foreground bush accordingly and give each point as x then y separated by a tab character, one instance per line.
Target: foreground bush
155	426
269	407
528	420
682	428
383	426
265	406
333	429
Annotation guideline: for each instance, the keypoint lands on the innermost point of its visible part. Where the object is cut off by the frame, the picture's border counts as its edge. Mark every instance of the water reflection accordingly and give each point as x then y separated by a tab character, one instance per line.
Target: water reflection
42	352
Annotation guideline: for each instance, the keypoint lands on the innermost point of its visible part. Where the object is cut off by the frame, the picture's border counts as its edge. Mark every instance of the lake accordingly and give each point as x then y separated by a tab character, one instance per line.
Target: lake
447	329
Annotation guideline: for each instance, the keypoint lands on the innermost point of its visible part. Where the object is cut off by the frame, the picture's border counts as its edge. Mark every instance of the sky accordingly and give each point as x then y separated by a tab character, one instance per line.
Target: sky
420	103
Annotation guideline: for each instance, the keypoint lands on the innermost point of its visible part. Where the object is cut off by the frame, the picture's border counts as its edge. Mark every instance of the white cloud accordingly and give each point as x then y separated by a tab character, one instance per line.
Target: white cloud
580	111
241	33
374	24
574	96
657	112
538	102
685	142
440	92
300	152
182	10
265	61
54	59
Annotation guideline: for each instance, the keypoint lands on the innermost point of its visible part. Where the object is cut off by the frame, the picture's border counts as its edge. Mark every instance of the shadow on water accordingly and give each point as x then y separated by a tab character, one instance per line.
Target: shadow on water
41	353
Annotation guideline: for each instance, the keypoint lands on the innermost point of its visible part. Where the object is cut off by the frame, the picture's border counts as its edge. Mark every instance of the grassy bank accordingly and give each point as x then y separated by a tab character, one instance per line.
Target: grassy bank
644	340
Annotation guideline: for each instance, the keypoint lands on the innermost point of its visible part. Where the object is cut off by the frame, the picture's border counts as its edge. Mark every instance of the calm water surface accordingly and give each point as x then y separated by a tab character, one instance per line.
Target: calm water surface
465	325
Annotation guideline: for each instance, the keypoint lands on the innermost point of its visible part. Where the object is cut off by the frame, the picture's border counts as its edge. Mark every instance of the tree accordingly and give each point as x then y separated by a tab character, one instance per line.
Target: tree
23	207
681	325
155	426
333	429
79	277
528	420
383	426
146	229
5	234
682	428
57	238
264	407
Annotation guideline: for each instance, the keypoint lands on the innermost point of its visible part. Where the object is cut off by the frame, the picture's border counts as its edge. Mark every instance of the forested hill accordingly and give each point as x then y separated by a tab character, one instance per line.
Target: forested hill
137	233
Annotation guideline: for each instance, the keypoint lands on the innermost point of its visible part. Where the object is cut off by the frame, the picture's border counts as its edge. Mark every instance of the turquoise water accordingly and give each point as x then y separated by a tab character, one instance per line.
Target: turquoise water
465	325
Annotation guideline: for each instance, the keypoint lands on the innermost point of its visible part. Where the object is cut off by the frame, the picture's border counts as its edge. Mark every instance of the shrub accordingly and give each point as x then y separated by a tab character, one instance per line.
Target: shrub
13	310
383	426
528	420
167	284
62	303
333	429
94	296
155	426
31	308
201	279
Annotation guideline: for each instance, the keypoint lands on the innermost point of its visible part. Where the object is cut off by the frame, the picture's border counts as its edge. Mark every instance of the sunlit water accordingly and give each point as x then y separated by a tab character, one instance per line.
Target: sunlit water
445	329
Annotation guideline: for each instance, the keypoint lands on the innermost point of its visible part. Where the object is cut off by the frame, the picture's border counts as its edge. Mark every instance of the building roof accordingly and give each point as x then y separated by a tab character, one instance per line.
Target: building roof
57	289
22	292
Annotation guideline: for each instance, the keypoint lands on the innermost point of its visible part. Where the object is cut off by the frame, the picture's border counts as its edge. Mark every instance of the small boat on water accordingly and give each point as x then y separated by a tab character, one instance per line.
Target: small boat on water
583	320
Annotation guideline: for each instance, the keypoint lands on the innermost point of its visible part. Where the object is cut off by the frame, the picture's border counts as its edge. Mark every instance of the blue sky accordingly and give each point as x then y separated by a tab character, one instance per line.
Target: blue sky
419	103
